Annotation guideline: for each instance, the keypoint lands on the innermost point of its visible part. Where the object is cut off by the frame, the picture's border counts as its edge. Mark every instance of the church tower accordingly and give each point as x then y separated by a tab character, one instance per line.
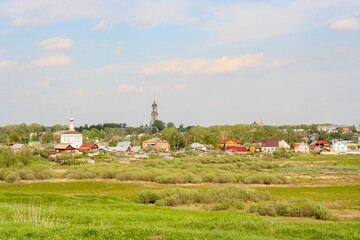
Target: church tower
154	113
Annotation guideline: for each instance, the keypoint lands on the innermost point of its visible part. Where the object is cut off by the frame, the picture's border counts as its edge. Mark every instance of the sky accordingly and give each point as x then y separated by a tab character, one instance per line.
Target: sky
207	62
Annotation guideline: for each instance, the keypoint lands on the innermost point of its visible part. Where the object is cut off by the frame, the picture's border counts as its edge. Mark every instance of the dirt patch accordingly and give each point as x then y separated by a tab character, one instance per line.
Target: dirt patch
346	213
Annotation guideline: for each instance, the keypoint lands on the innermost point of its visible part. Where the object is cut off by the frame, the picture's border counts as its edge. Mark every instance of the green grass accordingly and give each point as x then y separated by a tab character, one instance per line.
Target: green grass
105	217
337	197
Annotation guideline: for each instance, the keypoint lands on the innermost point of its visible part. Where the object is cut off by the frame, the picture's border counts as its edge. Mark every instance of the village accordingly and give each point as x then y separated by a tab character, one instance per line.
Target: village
73	142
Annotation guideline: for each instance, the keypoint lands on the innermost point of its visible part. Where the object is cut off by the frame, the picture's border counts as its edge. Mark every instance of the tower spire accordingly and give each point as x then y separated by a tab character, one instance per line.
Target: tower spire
72	125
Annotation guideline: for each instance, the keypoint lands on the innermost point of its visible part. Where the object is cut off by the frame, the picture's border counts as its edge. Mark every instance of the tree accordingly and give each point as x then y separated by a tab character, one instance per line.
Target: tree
8	157
48	137
24	155
170	125
160	125
14	137
173	136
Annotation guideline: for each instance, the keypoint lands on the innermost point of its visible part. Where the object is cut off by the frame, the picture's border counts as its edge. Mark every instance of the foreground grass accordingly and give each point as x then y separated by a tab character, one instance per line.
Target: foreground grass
109	217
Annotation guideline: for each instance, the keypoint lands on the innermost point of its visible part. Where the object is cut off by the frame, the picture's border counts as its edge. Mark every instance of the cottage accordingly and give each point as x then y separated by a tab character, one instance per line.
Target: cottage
64	147
157	143
340	146
283	144
252	148
301	148
89	147
269	145
198	147
323	143
229	143
17	146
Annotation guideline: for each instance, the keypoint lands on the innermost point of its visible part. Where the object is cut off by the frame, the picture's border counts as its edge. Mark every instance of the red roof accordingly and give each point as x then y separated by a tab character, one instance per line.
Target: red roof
295	145
315	146
321	142
238	149
87	146
270	143
225	141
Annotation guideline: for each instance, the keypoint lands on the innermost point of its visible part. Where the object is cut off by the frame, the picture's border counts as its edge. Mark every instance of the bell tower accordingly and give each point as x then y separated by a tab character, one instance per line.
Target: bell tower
154	113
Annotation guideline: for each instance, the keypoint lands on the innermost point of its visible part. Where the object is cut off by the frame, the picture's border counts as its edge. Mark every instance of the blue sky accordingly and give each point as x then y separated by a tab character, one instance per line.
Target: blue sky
207	62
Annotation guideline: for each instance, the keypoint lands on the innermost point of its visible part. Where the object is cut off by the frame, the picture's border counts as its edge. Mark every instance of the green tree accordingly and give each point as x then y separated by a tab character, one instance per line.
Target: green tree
8	157
14	137
160	125
24	155
48	137
173	136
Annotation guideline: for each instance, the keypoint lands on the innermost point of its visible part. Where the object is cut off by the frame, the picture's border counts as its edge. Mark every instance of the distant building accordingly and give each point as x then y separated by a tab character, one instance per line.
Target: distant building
72	137
301	148
269	145
344	129
64	147
157	143
89	147
154	113
283	144
340	146
225	144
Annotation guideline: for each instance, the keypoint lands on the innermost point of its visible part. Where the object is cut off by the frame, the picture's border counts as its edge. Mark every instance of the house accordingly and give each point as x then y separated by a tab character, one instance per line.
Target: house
227	143
17	146
157	143
344	129
198	147
237	149
323	143
252	148
324	150
283	144
269	145
316	148
328	129
123	147
340	146
11	143
136	149
34	143
294	146
352	146
64	147
301	148
89	147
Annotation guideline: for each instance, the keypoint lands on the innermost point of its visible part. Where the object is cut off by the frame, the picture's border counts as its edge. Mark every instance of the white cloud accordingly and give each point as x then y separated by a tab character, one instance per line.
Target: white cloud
280	62
46	82
52	61
80	93
229	21
209	66
129	88
21	22
345	24
119	50
57	43
8	64
103	24
180	86
342	49
5	31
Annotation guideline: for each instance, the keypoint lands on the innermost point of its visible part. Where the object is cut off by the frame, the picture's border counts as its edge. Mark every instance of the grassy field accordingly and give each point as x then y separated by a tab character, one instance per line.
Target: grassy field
63	208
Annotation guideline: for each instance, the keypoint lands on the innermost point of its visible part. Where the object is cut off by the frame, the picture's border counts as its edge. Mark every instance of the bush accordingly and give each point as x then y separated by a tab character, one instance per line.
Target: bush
147	197
293	208
12	177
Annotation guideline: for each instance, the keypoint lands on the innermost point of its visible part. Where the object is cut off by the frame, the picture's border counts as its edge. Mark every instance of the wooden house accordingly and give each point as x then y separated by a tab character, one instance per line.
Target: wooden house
269	145
64	147
89	147
252	148
229	143
157	143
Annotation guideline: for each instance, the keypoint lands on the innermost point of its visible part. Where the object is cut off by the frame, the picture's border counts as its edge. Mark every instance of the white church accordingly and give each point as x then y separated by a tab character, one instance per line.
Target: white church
72	137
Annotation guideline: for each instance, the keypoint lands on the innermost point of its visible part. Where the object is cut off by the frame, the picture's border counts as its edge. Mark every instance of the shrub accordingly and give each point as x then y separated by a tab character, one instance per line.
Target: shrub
292	208
12	177
147	197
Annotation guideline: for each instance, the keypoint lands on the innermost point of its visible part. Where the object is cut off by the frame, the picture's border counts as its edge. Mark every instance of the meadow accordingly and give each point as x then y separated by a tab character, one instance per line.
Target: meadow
319	198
